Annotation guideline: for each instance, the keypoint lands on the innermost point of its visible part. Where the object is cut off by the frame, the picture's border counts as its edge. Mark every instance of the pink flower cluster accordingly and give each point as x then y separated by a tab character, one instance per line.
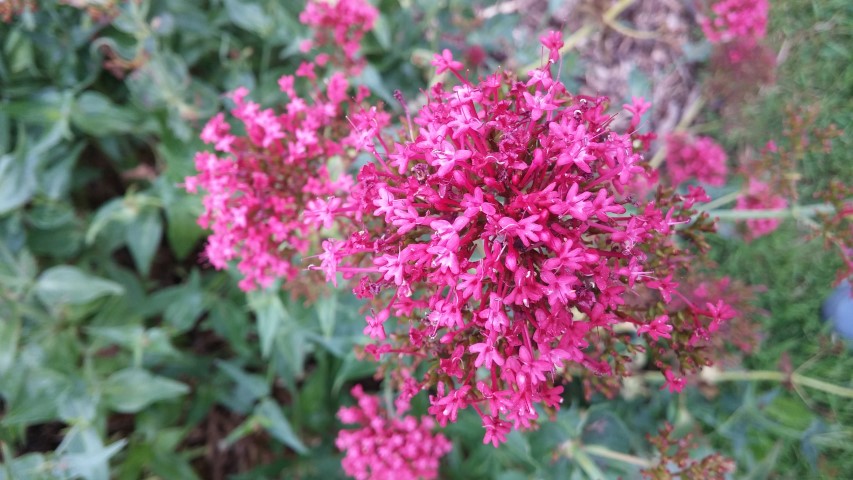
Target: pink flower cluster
736	19
501	238
261	185
699	158
385	448
759	196
269	188
341	23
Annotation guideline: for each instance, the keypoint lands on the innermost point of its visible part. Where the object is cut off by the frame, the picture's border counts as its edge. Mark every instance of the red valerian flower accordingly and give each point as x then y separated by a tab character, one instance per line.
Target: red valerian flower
759	196
265	192
736	19
658	328
499	220
445	62
674	383
699	158
342	24
385	447
268	190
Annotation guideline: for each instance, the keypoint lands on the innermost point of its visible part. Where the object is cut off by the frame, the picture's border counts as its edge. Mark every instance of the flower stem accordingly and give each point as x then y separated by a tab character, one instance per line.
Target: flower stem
796	379
719	202
793	212
604	452
575	452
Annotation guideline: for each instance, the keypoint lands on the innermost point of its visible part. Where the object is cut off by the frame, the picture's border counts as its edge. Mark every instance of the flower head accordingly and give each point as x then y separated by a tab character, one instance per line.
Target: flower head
501	238
385	448
699	158
759	196
736	19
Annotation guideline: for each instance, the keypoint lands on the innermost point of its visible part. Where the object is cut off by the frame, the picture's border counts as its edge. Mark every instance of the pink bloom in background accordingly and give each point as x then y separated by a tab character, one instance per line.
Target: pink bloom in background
699	158
385	448
499	238
267	190
340	23
445	62
759	196
736	19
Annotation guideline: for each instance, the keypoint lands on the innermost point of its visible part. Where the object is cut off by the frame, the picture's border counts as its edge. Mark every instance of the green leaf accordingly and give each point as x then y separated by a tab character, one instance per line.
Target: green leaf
84	455
133	389
327	310
16	271
351	369
253	385
229	321
172	466
48	106
249	16
271	417
183	312
97	115
182	230
37	403
50	215
55	179
31	465
270	313
143	236
65	284
10	333
766	467
124	335
5	133
17	182
382	31
77	404
59	243
114	210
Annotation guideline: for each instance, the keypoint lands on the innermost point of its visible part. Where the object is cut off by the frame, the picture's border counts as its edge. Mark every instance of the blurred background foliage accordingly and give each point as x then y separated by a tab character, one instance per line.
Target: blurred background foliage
122	355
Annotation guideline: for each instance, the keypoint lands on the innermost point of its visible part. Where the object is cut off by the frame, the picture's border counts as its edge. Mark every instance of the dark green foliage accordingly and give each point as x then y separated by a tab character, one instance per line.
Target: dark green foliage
123	356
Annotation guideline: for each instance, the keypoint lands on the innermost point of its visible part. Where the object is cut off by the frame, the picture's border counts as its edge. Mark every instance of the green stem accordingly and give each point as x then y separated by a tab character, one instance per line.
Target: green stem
806	211
604	452
719	202
266	51
573	451
796	379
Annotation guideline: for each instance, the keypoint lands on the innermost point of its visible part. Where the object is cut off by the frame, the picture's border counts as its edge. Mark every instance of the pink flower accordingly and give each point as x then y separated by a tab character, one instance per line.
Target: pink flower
267	190
341	24
445	62
501	236
383	447
731	19
486	354
659	327
496	430
553	41
697	158
758	196
252	212
638	107
673	383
